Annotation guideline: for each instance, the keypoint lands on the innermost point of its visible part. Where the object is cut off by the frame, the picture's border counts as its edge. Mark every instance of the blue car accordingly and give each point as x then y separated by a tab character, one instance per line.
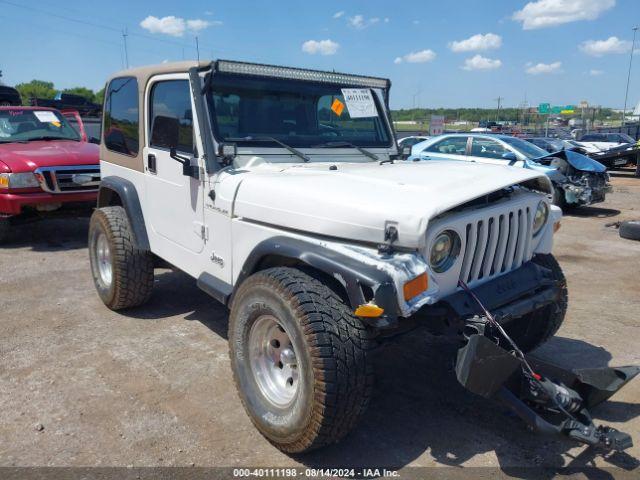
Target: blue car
577	179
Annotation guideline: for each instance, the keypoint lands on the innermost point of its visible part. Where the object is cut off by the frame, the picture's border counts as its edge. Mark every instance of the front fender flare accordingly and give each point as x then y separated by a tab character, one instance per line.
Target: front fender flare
350	272
128	195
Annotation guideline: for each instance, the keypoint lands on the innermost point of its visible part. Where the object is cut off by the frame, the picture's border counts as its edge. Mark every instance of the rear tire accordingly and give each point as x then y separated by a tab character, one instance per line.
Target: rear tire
535	328
122	274
300	359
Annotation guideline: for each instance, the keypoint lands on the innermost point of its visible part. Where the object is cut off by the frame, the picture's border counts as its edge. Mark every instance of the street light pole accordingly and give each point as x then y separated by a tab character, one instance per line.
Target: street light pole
626	93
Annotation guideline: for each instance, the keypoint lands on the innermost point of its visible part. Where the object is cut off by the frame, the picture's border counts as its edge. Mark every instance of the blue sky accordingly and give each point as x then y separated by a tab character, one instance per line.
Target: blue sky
557	51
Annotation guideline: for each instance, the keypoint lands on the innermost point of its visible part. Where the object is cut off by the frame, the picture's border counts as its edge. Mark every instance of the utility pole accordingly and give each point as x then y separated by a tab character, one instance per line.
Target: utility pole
126	52
197	49
499	99
626	93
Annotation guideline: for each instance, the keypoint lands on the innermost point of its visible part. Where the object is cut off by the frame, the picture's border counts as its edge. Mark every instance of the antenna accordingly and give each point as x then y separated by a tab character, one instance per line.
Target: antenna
197	49
499	99
126	51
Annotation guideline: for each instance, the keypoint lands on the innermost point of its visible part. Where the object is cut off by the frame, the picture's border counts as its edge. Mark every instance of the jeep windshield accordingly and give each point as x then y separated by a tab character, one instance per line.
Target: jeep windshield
27	125
300	114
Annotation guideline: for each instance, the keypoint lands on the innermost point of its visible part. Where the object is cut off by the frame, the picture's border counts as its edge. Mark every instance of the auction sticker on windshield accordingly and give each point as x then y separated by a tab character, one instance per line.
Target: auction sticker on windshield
46	117
337	106
359	102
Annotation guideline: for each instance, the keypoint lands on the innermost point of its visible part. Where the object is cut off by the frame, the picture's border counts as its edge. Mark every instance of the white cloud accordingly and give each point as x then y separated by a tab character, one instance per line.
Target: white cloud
477	42
386	19
359	22
543	68
416	22
175	26
549	13
594	73
478	62
417	57
338	14
597	48
322	47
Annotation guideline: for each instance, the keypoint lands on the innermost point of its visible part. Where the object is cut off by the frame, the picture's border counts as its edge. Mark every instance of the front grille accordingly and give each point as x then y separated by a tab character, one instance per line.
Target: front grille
497	244
69	179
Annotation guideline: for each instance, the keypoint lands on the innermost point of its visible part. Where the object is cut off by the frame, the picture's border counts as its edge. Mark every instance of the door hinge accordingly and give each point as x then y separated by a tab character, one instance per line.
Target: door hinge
201	230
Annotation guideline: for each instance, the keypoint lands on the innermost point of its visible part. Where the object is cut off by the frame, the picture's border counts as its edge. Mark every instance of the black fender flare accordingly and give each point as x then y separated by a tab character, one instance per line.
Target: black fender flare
348	271
128	195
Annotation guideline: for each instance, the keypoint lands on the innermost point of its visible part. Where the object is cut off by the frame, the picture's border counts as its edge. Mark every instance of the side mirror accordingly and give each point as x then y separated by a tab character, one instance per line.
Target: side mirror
510	156
94	140
165	132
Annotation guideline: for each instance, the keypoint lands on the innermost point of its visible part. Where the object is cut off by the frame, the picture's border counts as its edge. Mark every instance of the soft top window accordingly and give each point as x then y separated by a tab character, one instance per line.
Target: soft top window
121	119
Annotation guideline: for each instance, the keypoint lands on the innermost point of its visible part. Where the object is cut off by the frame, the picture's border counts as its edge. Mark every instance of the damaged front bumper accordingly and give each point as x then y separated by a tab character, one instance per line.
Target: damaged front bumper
550	399
508	297
586	188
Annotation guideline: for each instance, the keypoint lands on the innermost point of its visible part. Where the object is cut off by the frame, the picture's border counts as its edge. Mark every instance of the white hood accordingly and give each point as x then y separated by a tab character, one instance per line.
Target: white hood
357	201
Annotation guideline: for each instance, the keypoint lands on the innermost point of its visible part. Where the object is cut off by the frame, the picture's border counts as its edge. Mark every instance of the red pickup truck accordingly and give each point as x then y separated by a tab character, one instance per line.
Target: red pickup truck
46	165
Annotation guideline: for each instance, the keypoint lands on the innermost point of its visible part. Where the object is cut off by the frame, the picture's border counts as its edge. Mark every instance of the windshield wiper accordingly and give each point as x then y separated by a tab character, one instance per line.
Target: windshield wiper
367	153
296	152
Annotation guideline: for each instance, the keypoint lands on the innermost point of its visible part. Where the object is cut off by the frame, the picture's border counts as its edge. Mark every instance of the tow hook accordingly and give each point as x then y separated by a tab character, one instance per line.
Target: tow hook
550	399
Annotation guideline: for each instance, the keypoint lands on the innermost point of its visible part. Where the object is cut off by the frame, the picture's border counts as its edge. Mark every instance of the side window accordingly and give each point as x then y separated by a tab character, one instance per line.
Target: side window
451	145
487	148
121	116
172	98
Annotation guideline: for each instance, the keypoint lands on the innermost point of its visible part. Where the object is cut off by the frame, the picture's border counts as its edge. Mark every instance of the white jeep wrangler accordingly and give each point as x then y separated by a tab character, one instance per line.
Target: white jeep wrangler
276	188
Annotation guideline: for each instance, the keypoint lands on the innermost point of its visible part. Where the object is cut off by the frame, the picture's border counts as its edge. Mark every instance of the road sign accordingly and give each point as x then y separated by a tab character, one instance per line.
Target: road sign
436	125
544	108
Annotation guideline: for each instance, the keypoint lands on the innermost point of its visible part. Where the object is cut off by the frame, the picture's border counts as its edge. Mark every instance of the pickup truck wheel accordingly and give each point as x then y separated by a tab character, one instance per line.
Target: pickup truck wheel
300	359
4	229
122	274
535	328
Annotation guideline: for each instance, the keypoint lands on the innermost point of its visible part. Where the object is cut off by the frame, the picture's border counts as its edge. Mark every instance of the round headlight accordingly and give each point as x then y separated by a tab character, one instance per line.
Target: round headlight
444	251
540	218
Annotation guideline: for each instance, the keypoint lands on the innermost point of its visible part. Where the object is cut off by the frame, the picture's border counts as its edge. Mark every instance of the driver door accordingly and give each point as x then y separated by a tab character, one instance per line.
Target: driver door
175	200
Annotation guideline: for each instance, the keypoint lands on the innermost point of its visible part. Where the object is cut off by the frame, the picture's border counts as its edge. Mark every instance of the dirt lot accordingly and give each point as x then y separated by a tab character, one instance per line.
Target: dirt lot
81	385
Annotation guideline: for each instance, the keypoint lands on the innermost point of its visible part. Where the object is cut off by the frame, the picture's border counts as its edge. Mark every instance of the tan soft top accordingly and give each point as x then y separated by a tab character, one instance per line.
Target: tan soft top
142	74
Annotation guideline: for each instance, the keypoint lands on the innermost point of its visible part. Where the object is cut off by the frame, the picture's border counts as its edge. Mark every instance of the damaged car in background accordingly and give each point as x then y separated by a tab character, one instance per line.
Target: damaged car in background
577	179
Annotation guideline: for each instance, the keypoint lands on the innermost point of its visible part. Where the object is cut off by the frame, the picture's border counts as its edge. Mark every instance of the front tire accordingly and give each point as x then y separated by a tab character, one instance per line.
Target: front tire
535	328
300	359
122	274
4	229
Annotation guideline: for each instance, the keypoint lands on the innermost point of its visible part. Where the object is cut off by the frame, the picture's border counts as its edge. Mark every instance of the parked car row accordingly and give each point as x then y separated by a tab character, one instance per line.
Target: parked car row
64	101
577	179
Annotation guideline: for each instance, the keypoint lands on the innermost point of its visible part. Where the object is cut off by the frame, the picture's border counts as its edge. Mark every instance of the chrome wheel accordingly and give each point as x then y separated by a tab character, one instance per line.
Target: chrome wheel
103	258
273	361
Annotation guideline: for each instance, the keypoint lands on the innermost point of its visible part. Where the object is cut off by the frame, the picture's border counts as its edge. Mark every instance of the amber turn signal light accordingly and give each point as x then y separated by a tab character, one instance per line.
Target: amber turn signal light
415	287
369	310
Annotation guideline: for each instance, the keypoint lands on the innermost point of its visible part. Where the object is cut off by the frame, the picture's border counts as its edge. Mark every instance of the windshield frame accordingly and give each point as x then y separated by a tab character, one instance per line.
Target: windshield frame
246	80
65	125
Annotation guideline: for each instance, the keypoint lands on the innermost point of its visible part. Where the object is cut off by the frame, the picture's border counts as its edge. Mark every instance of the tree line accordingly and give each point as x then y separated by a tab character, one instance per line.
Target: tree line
486	114
44	89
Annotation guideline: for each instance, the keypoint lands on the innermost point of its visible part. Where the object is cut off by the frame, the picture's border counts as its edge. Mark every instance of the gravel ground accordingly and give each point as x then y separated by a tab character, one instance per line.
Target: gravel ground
83	386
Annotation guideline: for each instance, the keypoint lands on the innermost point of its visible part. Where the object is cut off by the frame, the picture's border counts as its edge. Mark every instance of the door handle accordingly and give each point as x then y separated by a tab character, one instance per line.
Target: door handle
151	163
